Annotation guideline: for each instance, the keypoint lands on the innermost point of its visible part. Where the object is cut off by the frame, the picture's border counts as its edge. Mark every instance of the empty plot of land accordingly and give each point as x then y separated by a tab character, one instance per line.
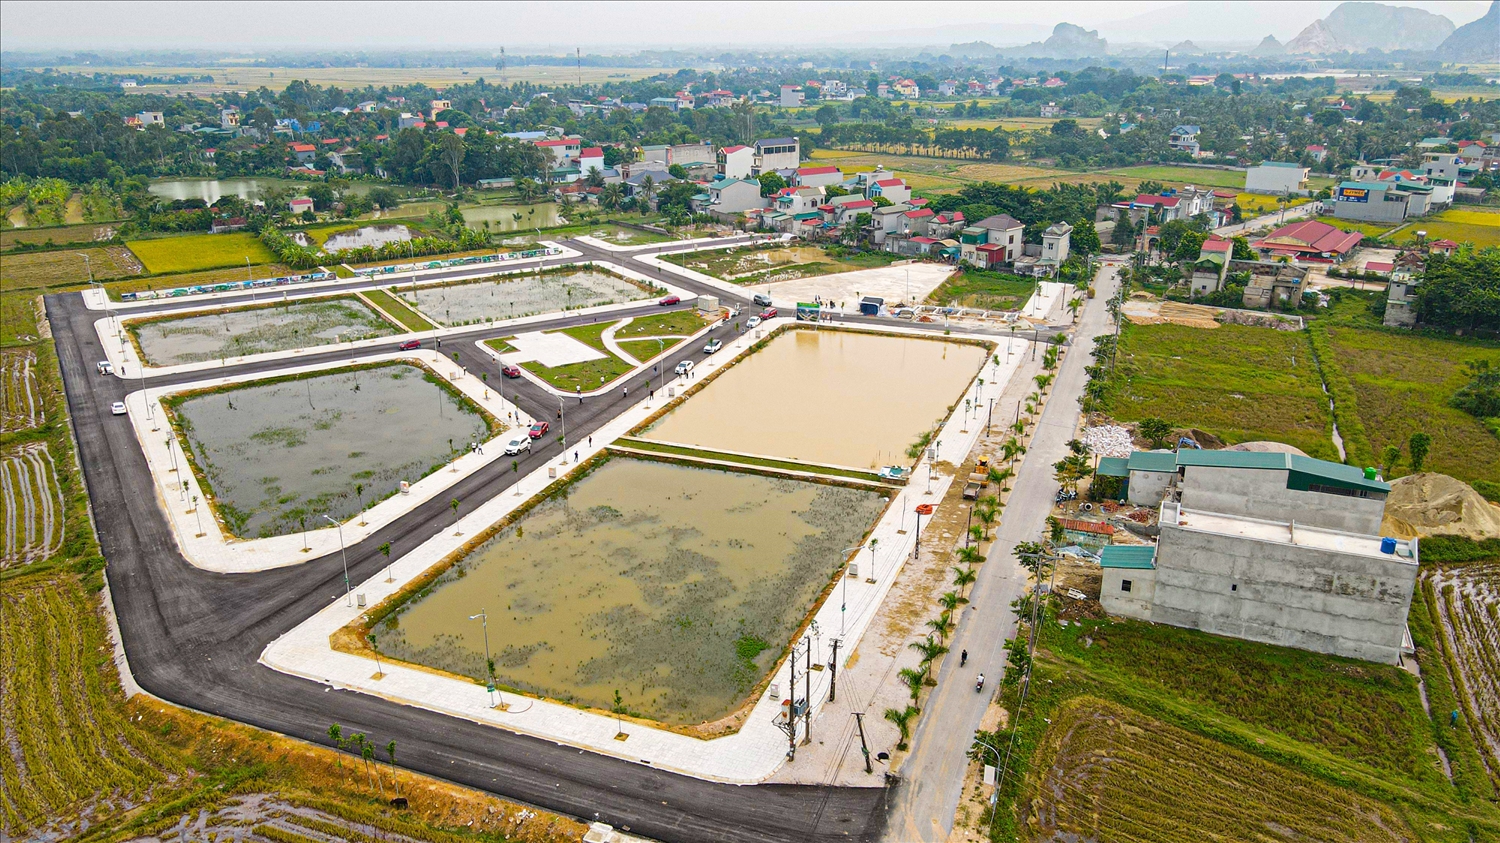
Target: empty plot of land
514	296
21	401
1110	773
214	335
68	268
550	349
31	506
1468	600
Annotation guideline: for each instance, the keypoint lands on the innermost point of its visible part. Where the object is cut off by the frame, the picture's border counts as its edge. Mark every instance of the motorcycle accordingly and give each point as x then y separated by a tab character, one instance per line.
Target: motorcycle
979	686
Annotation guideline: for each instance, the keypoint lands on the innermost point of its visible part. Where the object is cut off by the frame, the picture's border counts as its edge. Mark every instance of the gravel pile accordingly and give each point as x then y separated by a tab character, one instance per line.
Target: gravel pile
1108	440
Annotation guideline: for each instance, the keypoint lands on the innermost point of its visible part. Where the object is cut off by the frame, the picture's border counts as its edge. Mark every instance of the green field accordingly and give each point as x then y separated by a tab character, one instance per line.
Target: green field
588	375
398	310
644	350
193	252
1461	226
1368	229
1239	383
987	290
1401	383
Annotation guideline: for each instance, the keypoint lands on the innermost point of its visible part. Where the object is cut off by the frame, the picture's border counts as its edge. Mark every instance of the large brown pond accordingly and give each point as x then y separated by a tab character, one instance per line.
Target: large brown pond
676	586
840	397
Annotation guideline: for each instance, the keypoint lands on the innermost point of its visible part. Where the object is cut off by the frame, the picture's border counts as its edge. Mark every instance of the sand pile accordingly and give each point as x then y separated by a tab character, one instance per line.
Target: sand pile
1267	447
1431	504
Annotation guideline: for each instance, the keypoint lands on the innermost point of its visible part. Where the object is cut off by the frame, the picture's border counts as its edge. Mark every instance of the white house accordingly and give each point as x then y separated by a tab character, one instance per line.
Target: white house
817	176
893	189
1276	178
562	149
736	162
777	154
151	118
1055	241
731	197
791	96
591	159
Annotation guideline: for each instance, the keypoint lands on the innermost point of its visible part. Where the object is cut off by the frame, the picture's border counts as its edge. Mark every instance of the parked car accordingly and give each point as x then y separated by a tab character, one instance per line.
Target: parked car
105	368
670	300
411	345
117	408
712	346
684	367
510	371
538	430
753	323
768	313
761	299
518	445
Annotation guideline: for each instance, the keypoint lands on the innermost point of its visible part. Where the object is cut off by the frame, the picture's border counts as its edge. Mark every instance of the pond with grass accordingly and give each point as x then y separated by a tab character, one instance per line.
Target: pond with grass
841	397
679	587
511	217
277	453
514	296
373	236
249	189
215	335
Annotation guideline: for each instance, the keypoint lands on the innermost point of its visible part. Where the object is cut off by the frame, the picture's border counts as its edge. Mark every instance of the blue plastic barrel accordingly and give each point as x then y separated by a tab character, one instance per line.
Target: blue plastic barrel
1387	545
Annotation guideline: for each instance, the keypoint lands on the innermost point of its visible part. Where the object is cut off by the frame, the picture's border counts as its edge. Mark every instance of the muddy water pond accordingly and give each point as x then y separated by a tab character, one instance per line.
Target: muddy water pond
510	296
840	397
257	330
511	217
370	235
275	453
676	586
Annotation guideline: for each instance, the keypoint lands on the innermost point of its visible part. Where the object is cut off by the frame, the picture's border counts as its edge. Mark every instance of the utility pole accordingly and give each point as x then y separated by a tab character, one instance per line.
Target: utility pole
807	690
833	666
859	721
578	58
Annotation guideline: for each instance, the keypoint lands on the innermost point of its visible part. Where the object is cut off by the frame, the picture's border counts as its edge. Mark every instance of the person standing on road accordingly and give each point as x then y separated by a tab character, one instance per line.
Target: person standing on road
578	390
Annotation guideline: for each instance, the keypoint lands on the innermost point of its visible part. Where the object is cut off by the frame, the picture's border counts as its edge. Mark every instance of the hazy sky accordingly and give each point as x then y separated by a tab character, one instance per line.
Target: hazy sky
42	24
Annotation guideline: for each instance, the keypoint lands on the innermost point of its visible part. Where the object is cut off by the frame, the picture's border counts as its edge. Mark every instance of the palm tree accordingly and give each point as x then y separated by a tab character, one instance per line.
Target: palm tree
1043	381
929	649
969	555
963	577
390	751
1073	307
998	476
336	734
367	752
977	533
1012	449
913	680
611	197
902	718
951	601
647	190
941	624
453	505
359	492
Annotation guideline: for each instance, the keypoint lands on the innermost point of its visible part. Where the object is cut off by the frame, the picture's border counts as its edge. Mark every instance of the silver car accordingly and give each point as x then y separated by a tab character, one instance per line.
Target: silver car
518	445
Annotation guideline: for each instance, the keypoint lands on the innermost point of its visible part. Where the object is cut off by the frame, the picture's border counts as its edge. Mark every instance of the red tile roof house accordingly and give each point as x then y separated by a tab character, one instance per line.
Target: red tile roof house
1382	267
817	176
305	152
1445	247
1310	240
300	204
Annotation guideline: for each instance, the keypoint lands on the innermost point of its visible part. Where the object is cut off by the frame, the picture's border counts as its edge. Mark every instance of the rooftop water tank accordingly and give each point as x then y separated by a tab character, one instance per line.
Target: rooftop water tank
1387	545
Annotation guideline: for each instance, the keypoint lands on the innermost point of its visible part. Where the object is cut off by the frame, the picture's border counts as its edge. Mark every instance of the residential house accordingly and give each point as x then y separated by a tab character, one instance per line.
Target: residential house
1317	152
1052	109
1389	201
300	204
817	176
886	221
1277	548
1055	242
842	210
669	103
1401	298
306	153
1271	282
229	118
947	88
773	154
736	162
1002	233
893	189
126	84
791	96
563	150
1208	273
151	118
720	99
1276	178
410	121
1185	139
439	106
945	226
727	199
834	89
682	154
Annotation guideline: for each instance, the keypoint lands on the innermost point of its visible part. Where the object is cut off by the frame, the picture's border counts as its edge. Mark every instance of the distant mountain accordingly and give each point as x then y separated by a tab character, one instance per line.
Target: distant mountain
1356	27
1269	47
1068	41
1478	41
974	49
1186	48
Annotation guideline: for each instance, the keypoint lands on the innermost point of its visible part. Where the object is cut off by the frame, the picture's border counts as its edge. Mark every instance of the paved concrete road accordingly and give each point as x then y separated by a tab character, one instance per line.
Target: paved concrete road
1266	220
932	776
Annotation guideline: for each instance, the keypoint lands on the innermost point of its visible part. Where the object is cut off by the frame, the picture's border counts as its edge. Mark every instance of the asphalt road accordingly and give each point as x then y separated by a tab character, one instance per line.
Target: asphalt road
933	773
193	637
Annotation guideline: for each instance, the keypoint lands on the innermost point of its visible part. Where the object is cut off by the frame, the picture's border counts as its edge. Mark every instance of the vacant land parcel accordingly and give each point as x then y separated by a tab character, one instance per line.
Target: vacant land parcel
1239	383
677	588
514	296
214	335
275	454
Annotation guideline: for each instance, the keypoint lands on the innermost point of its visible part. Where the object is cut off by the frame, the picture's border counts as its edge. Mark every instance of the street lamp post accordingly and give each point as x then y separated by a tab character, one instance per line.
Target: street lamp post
484	620
997	781
343	554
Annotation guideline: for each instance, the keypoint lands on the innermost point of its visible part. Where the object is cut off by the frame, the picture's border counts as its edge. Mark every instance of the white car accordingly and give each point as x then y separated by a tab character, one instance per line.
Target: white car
753	323
105	367
117	408
712	346
517	445
684	367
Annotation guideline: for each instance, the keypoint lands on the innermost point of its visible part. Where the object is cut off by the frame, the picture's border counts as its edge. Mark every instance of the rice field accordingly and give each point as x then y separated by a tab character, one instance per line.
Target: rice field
21	405
66	268
32	511
193	252
1468	601
1482	228
68	739
1107	772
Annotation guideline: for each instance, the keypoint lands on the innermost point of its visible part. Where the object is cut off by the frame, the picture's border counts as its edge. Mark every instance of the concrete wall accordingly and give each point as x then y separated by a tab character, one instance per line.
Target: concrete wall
1291	595
1148	487
1135	603
1375	210
1263	494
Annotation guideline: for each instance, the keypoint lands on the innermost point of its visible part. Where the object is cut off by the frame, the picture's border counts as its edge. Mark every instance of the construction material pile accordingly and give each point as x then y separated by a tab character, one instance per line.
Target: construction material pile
1108	440
1431	504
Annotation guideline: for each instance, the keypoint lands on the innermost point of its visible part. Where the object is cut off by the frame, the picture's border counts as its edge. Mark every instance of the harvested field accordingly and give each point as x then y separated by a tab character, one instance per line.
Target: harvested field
69	741
32	511
776	263
1107	772
1008	173
20	397
61	269
1468	601
87	233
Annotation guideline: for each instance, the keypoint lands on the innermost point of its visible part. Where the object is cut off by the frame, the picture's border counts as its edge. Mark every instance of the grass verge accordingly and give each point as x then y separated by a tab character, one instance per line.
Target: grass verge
742	459
398	310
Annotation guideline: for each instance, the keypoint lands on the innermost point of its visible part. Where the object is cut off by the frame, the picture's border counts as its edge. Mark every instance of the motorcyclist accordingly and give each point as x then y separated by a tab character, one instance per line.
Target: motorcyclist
979	686
963	658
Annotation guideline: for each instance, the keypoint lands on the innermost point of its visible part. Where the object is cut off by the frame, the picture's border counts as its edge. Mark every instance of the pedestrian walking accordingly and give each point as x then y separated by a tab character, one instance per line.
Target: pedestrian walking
591	441
479	446
578	390
575	456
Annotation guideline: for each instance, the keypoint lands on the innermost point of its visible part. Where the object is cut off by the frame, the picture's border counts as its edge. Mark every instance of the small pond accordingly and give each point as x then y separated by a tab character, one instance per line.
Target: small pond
257	330
276	453
371	235
511	217
249	189
512	296
679	587
841	397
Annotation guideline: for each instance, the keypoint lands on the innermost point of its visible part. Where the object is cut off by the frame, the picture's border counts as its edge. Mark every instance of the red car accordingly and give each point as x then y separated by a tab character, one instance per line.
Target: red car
510	371
768	313
669	300
537	430
411	345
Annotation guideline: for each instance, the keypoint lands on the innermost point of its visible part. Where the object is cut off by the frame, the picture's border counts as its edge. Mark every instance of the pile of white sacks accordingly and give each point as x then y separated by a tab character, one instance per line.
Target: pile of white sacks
1108	440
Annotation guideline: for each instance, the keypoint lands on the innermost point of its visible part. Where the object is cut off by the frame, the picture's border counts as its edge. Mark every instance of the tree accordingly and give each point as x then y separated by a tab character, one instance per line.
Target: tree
677	171
451	151
390	752
913	680
902	718
950	602
1461	291
1031	556
929	648
385	550
1480	397
963	577
771	183
826	115
1124	233
611	197
1418	446
453	505
1157	431
1389	457
942	625
646	190
1084	239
